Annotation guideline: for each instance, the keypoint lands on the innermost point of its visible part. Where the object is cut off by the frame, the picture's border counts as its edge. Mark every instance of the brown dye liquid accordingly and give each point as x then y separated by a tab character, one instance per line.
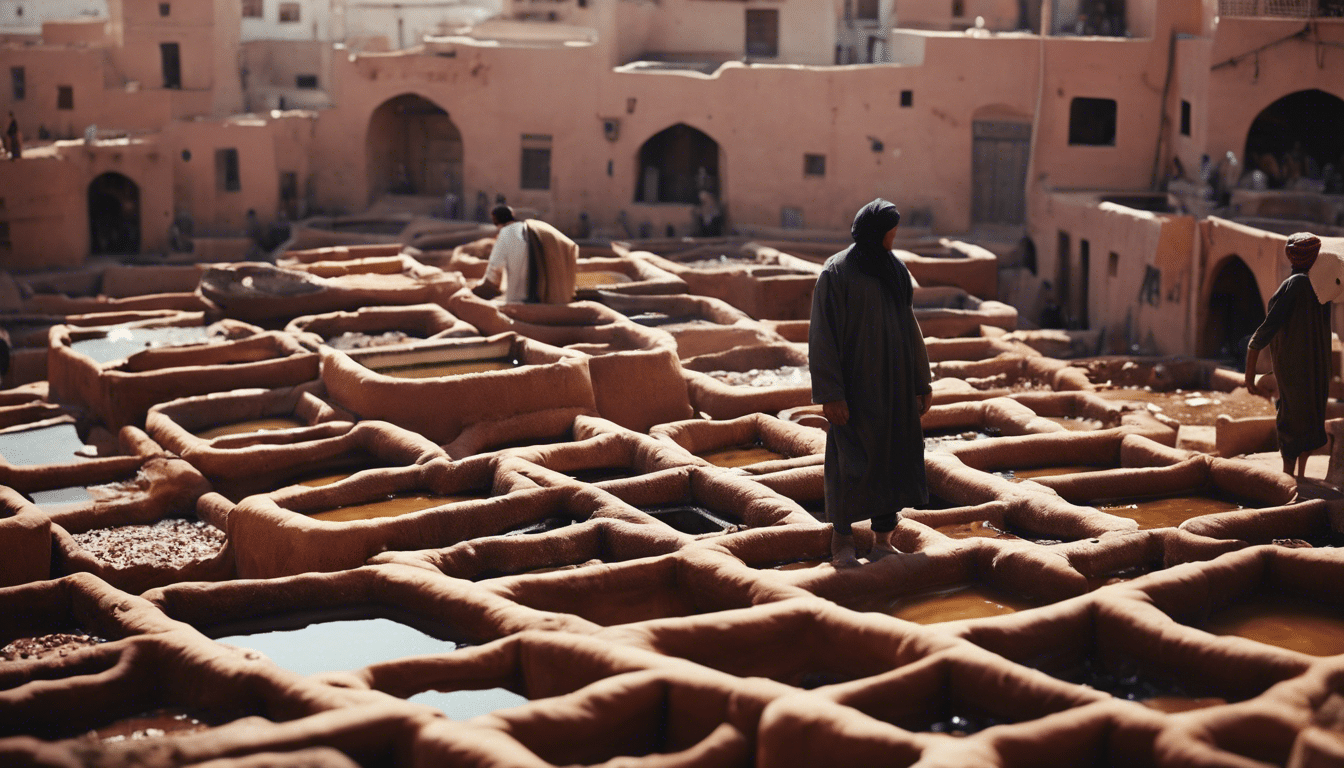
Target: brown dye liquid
244	427
1174	704
397	505
1030	474
741	456
458	368
801	565
597	278
321	480
1166	512
151	725
965	601
1075	424
1286	621
1196	408
979	529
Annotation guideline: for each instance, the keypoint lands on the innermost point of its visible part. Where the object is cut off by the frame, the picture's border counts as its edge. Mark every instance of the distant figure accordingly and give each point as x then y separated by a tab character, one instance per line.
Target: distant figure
13	139
534	260
257	233
708	216
1297	331
870	373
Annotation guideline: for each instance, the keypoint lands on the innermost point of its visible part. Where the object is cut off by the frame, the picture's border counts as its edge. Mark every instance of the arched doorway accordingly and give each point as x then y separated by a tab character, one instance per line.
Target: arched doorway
676	165
1235	310
413	148
114	215
1296	138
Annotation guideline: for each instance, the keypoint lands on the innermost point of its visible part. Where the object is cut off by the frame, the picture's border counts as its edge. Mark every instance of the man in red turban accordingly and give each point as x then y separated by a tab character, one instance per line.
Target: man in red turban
1297	331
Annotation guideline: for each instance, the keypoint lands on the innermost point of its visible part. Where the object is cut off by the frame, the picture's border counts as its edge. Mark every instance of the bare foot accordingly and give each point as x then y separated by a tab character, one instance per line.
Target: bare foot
844	561
880	551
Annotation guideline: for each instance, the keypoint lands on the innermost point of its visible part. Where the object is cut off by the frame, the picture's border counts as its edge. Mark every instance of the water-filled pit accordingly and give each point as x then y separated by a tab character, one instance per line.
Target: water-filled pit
1167	511
250	426
957	602
54	444
741	455
121	343
1294	622
394	505
334	645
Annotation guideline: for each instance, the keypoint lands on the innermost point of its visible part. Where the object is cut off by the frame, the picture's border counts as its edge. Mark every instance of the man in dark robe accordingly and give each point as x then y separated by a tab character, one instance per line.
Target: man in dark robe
870	372
1297	331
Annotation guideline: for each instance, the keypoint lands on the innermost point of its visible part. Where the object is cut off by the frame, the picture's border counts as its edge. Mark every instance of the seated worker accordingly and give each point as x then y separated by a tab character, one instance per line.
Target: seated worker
534	260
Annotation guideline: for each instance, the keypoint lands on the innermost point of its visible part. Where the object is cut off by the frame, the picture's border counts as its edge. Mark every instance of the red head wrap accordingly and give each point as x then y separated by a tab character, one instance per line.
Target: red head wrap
1302	249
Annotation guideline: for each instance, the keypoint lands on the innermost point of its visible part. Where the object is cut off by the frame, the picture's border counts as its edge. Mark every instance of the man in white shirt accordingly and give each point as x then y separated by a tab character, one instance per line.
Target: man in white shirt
519	247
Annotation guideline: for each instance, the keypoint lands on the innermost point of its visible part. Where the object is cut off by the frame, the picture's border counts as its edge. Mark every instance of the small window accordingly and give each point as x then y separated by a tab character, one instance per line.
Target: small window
790	217
171	59
226	170
165	9
305	81
1092	122
814	165
253	9
867	10
907	98
763	32
65	97
289	13
1113	264
958	9
18	81
536	161
1185	117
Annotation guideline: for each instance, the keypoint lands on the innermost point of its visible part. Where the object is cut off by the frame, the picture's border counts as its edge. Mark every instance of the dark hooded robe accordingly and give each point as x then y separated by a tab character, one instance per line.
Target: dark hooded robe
1297	331
867	350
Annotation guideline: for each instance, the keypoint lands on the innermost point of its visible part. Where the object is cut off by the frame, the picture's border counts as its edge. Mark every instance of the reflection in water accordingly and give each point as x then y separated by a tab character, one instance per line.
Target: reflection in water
1287	621
121	343
464	705
332	646
979	529
57	444
963	601
253	425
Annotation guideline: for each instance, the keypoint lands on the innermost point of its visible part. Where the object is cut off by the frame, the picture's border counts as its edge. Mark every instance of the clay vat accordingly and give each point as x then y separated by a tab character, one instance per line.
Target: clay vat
140	529
66	452
622	275
606	457
699	324
980	578
951	312
451	608
277	533
382	326
120	393
958	693
260	461
552	426
806	643
263	293
720	498
725	401
639	718
680	584
754	444
780	290
1271	600
1168	496
621	352
599	540
1124	647
549	378
995	417
1120	558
